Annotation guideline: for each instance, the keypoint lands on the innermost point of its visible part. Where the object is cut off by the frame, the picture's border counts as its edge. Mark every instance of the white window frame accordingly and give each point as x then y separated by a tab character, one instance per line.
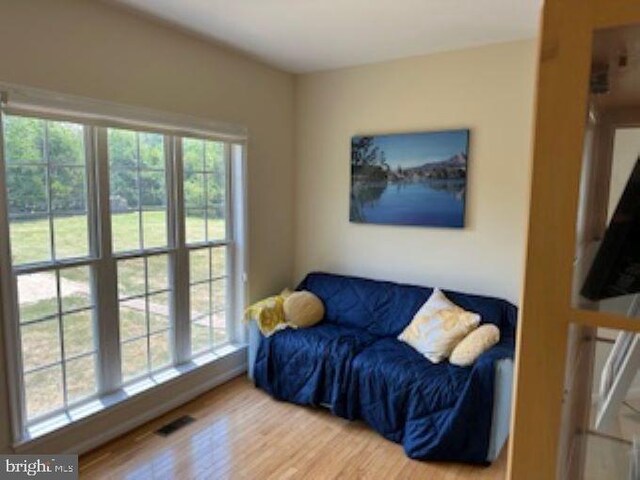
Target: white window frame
112	309
97	117
54	265
227	242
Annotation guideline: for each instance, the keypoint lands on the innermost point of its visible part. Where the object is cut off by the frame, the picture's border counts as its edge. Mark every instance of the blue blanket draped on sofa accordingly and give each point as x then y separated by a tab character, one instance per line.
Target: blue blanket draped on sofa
353	363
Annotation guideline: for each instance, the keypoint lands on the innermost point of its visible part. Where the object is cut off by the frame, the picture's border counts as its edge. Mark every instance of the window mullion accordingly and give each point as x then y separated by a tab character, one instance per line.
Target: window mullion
145	261
105	275
9	300
52	241
139	182
237	279
230	261
179	271
228	194
205	191
63	365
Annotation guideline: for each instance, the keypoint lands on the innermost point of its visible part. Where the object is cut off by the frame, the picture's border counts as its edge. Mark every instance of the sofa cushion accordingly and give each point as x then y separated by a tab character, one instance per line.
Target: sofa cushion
390	375
308	366
380	308
384	309
437	411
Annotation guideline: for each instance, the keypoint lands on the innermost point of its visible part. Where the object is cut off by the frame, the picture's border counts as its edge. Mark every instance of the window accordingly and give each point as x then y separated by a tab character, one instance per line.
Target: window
122	255
139	223
138	177
50	231
205	203
208	295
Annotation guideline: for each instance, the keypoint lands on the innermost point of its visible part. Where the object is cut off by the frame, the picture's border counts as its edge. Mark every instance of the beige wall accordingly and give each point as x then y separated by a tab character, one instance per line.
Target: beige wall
92	49
489	90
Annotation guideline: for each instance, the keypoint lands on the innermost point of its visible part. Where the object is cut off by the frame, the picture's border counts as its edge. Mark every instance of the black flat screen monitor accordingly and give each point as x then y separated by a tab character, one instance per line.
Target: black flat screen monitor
616	268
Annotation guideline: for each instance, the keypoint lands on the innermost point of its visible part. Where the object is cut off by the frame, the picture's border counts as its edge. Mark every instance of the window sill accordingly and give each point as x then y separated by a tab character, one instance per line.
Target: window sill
82	413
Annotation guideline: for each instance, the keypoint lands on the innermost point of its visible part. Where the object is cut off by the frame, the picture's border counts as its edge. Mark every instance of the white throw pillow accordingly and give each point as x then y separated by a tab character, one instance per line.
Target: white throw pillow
474	345
438	327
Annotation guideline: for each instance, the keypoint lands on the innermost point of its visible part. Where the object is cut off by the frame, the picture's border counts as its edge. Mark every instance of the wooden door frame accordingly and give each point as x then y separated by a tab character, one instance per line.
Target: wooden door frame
546	313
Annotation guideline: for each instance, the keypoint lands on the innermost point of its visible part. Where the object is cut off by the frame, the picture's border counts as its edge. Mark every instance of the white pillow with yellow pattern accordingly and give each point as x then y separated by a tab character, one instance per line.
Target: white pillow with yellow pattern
438	327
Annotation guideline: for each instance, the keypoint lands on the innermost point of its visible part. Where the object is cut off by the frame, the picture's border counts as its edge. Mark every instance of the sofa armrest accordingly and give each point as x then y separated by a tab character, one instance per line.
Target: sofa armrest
254	336
501	415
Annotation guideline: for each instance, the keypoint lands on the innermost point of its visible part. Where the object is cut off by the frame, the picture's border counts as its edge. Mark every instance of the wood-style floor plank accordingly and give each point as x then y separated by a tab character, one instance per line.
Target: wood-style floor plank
241	433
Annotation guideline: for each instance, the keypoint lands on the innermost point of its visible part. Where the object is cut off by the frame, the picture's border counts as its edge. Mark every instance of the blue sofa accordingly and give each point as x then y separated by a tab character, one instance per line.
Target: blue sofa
353	364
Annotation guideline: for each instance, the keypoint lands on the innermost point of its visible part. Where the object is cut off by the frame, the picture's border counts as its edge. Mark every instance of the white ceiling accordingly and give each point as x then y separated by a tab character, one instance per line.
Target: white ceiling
310	35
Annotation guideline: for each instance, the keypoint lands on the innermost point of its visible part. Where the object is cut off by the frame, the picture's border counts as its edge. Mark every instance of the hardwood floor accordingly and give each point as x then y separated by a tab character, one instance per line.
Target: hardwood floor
241	433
